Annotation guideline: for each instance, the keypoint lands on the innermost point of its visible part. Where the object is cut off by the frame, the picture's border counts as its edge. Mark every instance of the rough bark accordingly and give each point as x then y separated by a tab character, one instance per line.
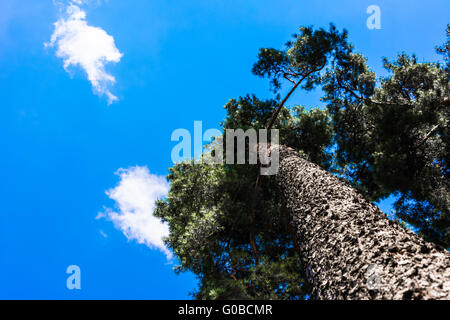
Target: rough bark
350	249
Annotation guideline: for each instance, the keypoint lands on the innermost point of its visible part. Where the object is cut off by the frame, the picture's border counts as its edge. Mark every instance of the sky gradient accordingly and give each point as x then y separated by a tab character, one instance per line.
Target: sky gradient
65	133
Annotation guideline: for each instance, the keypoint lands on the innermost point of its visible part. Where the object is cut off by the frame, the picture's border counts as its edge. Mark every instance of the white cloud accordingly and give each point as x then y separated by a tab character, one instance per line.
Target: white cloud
135	197
90	48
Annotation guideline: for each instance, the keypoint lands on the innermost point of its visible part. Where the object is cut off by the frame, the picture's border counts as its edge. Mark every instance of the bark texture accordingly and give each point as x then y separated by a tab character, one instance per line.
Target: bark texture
350	249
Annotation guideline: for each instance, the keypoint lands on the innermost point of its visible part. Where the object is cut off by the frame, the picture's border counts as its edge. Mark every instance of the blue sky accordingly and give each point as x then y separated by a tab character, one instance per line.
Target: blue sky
180	61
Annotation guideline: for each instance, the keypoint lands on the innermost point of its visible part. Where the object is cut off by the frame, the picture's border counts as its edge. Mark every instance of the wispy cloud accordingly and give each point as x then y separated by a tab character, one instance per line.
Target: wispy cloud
135	197
90	48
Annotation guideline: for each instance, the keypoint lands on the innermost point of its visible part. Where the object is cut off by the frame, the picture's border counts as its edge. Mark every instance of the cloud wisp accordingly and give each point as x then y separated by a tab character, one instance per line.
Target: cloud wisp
135	197
85	46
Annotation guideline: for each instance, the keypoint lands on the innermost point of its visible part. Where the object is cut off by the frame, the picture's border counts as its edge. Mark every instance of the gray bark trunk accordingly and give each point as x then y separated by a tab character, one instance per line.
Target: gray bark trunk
349	248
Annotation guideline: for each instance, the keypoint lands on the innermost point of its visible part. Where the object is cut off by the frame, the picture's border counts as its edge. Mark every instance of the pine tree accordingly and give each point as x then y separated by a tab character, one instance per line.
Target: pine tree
312	229
348	247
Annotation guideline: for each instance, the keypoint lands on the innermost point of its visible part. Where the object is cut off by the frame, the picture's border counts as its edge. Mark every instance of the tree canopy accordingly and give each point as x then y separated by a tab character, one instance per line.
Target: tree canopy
384	136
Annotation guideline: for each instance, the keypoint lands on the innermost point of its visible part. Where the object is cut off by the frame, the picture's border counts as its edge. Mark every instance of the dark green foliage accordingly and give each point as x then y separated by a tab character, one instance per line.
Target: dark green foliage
445	51
309	131
393	138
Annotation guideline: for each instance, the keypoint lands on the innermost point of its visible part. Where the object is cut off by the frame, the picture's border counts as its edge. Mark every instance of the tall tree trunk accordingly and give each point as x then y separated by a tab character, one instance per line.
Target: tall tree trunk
349	248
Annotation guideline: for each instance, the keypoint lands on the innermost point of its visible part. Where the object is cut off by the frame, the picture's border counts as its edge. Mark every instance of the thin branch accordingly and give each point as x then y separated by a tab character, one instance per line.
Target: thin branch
287	78
433	130
275	115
